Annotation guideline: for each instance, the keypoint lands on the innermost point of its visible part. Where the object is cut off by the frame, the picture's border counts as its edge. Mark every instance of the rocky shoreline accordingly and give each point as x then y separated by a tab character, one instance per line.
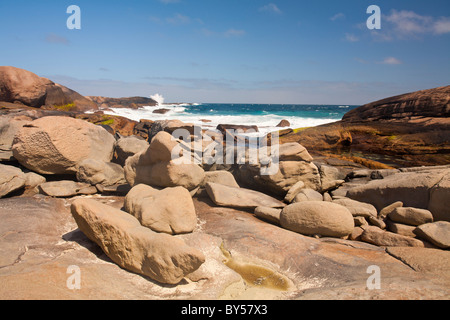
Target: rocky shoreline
110	198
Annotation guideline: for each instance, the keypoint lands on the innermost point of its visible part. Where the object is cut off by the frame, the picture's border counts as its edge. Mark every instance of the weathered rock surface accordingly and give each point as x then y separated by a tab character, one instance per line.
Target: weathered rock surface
400	228
9	125
226	196
129	146
56	145
437	233
439	195
320	269
308	195
11	179
161	257
40	240
428	260
63	188
170	210
268	214
317	218
382	238
411	216
294	152
221	177
411	188
425	103
388	209
279	183
358	208
155	167
293	191
95	172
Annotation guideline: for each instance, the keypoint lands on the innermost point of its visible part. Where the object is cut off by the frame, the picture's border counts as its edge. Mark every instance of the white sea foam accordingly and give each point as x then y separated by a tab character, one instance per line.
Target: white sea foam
266	123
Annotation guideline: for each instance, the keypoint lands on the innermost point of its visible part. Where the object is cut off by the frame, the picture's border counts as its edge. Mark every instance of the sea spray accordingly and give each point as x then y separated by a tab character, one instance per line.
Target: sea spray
158	98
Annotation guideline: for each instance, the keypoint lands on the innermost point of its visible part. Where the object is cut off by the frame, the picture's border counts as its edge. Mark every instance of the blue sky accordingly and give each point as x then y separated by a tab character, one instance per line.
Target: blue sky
247	51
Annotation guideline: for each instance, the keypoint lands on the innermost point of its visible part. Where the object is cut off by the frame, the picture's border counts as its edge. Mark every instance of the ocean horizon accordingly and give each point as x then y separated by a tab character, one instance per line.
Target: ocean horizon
265	116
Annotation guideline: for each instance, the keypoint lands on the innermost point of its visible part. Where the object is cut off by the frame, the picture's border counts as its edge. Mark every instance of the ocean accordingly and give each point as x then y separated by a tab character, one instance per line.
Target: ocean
265	116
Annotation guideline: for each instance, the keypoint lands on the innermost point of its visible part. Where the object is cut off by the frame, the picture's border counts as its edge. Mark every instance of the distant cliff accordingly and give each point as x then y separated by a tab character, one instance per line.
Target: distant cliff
433	103
132	102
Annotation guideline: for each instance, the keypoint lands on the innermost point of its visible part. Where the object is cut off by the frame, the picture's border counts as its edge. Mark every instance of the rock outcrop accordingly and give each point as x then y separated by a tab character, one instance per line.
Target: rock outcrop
96	172
11	179
425	103
227	196
412	188
159	256
18	85
131	102
406	130
57	145
317	218
295	164
155	166
169	210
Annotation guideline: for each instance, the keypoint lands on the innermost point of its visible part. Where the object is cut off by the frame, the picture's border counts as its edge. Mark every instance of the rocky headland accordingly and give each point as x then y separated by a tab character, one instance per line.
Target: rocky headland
105	195
407	130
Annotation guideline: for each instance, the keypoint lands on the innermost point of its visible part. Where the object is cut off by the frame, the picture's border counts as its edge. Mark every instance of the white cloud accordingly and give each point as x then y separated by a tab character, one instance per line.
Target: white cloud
169	1
442	26
337	16
351	37
271	7
391	60
179	19
408	24
234	33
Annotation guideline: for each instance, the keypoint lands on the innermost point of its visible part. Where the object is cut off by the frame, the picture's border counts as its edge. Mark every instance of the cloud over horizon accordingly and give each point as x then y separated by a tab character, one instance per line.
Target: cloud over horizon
270	7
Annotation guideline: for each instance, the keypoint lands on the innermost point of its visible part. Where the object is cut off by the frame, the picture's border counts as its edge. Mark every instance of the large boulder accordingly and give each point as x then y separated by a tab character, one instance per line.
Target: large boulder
155	166
437	233
159	256
411	216
57	145
129	146
439	195
98	172
227	196
413	188
65	188
317	218
170	210
11	179
279	183
9	125
18	85
294	151
221	177
376	236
